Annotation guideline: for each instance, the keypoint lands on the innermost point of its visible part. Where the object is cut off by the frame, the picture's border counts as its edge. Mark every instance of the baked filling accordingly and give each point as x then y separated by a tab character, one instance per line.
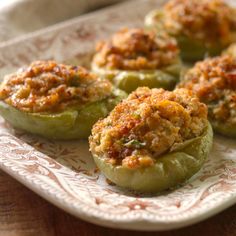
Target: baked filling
149	123
207	20
214	82
136	49
46	86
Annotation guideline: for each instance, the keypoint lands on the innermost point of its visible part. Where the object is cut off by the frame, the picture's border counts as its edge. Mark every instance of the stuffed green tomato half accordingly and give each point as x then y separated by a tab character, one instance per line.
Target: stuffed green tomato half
55	100
152	141
135	57
201	27
213	81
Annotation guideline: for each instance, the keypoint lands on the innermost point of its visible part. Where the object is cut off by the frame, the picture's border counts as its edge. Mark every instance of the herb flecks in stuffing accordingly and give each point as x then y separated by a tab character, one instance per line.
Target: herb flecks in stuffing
46	86
214	82
165	119
207	20
136	49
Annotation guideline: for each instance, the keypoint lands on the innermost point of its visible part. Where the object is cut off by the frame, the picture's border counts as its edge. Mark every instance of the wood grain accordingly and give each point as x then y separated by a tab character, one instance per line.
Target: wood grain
23	213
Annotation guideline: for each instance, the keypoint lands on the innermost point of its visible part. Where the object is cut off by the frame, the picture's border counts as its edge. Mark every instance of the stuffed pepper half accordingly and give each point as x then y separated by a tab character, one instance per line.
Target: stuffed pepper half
135	57
201	27
153	140
214	82
55	100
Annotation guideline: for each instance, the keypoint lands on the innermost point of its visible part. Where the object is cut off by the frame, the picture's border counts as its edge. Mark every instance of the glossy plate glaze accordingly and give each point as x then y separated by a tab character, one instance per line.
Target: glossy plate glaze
64	172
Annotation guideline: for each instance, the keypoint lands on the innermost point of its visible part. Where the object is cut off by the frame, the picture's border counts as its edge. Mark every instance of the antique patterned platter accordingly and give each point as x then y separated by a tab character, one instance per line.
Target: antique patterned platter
64	172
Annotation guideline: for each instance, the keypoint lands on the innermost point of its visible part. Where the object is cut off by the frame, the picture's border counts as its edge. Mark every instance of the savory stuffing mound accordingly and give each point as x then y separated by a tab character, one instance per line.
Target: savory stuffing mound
208	20
46	86
149	123
214	82
136	49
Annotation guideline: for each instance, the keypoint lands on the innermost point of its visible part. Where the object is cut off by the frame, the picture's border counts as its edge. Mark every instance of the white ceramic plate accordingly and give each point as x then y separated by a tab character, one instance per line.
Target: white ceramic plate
64	172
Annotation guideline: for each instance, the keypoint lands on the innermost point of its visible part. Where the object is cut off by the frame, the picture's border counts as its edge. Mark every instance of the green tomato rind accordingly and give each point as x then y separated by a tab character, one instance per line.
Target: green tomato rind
130	80
190	49
226	129
169	170
74	123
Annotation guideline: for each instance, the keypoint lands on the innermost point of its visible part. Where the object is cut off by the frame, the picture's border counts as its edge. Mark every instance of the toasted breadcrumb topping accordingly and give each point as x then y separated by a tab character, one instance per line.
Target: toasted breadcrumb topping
46	86
214	82
149	123
136	49
208	20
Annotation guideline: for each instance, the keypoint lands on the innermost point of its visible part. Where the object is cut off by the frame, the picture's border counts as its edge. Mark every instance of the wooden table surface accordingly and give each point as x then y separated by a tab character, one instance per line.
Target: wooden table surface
23	213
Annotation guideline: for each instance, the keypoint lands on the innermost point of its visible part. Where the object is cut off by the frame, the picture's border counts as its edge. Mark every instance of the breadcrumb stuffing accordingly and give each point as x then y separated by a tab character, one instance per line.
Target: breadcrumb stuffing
46	86
208	20
146	125
136	49
214	82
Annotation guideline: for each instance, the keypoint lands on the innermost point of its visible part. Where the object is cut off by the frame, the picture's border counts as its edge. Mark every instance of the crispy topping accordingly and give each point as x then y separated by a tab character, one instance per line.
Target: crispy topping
214	82
208	20
136	49
146	125
46	86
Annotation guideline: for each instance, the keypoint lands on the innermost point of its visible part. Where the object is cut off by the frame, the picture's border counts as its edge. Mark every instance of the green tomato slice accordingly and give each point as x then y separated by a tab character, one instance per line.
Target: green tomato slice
227	129
169	170
73	123
190	49
128	81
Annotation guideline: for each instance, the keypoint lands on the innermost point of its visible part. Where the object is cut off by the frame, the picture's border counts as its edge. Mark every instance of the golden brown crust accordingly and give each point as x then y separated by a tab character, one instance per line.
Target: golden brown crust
147	124
208	20
214	82
46	86
136	49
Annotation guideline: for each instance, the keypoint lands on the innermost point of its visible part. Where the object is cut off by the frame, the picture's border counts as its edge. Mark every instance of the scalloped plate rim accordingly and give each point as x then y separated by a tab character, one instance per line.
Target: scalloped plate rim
144	225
